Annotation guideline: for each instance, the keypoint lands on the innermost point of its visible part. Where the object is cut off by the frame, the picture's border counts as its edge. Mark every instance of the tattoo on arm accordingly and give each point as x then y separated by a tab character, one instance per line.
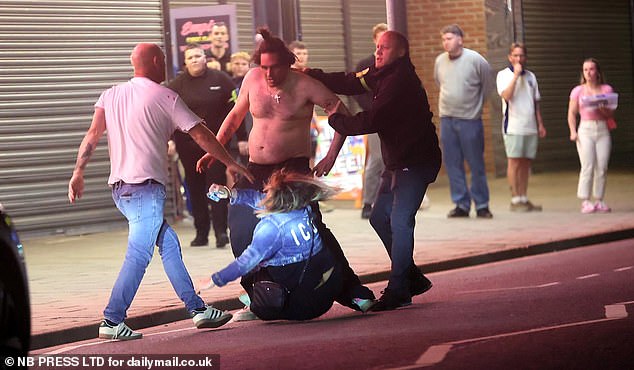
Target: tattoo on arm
82	161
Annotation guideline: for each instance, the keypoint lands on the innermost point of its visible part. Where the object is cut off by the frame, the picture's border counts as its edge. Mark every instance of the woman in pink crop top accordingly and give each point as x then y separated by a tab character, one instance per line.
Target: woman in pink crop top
591	136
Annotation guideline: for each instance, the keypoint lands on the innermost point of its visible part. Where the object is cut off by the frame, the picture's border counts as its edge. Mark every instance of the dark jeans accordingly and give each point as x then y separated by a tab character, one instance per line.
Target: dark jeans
198	184
242	222
312	298
393	218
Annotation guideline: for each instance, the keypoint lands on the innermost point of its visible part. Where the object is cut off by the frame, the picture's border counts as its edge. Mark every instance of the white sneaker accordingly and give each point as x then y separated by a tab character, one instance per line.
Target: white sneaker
210	318
120	332
245	314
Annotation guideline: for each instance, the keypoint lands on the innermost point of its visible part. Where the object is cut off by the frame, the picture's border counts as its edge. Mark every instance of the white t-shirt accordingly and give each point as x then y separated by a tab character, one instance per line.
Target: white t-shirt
519	112
141	116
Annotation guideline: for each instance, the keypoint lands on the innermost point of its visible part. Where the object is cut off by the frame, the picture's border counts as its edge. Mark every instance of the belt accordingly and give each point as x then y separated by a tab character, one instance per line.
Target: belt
146	182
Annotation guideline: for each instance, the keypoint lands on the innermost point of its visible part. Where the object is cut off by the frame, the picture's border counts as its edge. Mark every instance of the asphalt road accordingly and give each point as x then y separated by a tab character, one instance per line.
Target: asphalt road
572	309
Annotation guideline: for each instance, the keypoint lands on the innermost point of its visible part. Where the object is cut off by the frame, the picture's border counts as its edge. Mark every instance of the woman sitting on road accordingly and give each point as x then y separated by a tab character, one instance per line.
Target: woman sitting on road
285	243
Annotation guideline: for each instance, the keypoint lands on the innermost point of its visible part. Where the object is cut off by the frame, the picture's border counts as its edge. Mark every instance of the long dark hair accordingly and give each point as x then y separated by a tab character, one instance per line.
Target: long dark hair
274	45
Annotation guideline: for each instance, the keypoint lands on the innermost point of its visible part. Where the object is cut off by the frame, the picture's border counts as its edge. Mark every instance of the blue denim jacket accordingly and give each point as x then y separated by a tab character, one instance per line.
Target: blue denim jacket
278	239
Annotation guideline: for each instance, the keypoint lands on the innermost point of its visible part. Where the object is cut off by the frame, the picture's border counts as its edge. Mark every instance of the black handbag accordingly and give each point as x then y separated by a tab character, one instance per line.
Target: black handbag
269	298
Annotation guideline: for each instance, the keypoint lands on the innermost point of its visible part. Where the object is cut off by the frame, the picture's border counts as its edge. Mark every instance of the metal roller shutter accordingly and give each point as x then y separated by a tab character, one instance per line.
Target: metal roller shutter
55	59
559	36
323	33
363	16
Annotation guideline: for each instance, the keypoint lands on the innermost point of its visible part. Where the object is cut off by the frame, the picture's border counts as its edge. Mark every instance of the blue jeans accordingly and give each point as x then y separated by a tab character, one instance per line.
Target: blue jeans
463	139
142	205
393	218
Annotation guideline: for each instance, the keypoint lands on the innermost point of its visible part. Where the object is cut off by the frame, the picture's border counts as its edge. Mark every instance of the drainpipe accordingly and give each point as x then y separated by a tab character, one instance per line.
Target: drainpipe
397	15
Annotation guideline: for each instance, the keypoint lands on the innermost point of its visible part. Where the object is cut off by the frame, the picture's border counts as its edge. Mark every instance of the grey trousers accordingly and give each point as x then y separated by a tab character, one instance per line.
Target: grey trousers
374	167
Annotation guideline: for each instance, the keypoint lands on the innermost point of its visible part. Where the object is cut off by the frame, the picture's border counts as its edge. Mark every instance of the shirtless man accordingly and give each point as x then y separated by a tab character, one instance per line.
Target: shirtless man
281	102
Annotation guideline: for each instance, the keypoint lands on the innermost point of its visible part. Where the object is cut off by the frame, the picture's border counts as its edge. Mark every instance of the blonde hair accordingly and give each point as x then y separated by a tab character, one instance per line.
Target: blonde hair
379	27
288	191
240	55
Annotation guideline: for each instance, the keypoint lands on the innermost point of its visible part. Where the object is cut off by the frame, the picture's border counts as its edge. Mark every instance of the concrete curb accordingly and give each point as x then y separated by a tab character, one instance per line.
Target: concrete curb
169	315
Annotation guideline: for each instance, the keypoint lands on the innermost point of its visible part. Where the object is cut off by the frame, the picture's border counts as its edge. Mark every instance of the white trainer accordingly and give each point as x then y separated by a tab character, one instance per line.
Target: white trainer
120	332
245	314
210	318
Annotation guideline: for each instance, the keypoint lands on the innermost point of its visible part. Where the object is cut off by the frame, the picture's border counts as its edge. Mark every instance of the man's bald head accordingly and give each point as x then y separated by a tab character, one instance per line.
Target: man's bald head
148	61
399	40
390	47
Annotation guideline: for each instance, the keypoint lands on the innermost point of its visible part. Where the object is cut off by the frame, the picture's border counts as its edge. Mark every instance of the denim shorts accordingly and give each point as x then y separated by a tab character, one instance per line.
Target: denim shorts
520	146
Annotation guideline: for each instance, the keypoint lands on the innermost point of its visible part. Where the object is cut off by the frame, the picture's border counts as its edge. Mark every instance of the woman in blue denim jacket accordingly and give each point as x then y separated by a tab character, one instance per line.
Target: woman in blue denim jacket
282	243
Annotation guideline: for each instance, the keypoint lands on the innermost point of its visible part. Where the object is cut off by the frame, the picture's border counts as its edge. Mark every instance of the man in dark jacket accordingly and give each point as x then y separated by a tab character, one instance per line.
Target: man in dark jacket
400	115
208	93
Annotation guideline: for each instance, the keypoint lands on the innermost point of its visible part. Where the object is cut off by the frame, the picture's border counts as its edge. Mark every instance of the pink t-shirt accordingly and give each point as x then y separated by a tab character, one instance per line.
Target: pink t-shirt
588	113
141	115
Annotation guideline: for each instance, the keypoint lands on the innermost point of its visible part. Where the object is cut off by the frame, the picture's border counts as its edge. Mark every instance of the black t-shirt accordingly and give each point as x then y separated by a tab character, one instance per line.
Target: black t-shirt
224	60
210	96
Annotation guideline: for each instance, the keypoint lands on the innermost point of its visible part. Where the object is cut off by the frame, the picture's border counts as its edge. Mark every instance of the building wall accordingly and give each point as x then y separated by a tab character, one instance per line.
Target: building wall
425	18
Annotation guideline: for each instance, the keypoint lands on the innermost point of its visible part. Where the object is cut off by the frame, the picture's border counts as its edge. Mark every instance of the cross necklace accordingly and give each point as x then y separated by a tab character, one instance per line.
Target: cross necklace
277	97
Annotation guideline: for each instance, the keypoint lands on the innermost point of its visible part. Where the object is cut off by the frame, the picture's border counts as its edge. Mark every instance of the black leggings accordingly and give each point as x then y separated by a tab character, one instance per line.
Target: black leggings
242	222
312	298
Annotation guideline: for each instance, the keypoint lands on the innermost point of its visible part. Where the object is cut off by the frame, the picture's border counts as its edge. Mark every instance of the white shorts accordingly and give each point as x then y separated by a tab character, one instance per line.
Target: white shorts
520	146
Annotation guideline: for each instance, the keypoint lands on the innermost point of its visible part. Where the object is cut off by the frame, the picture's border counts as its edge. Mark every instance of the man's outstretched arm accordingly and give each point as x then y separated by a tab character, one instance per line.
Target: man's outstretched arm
208	142
234	119
321	96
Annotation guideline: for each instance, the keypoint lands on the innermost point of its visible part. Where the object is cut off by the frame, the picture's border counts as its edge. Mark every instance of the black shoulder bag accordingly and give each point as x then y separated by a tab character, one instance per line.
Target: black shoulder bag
270	298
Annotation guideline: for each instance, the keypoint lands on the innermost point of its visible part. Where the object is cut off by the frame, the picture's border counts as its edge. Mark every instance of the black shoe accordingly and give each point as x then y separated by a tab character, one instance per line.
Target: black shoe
390	301
222	240
199	241
484	213
457	212
419	285
366	211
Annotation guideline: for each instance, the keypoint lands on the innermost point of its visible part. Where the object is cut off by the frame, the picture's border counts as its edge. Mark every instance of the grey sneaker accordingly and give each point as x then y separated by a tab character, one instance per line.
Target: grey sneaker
210	318
364	304
533	207
519	207
120	332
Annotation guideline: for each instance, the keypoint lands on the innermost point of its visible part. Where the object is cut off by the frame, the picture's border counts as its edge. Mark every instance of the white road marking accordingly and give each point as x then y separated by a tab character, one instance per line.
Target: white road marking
615	311
170	331
511	288
70	348
587	276
548	284
436	354
623	269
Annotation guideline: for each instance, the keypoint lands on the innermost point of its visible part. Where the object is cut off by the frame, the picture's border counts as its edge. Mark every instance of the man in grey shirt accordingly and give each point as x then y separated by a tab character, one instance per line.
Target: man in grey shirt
465	79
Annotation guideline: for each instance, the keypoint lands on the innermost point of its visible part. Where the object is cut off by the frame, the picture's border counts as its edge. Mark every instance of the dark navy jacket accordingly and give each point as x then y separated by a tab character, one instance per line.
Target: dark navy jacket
400	113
